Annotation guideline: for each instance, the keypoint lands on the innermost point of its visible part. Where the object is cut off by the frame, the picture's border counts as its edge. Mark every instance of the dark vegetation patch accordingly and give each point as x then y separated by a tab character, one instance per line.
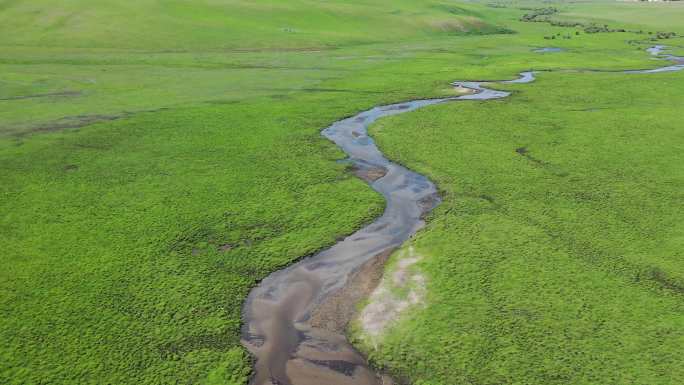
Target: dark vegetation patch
47	95
524	152
222	102
539	14
219	342
544	15
665	281
72	122
341	90
555	170
591	109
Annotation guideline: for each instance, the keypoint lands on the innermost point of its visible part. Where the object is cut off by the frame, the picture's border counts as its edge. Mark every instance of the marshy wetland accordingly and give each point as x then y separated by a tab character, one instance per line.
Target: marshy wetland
167	196
289	348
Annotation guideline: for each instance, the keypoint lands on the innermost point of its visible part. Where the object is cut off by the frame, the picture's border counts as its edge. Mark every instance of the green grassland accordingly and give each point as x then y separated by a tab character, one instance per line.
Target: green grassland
159	158
660	17
556	255
559	263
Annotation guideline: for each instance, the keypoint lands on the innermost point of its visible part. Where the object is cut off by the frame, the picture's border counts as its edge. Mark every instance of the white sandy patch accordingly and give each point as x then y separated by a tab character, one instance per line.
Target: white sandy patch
399	289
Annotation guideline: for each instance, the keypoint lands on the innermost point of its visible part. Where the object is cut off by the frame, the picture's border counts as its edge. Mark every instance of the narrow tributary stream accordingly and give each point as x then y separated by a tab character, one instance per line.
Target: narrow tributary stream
289	348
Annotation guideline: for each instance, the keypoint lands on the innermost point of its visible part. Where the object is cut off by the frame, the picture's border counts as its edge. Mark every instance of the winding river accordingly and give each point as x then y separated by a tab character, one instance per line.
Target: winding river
282	329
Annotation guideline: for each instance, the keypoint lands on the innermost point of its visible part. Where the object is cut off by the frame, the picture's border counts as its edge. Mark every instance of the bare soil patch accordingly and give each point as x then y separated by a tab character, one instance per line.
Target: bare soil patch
385	304
335	313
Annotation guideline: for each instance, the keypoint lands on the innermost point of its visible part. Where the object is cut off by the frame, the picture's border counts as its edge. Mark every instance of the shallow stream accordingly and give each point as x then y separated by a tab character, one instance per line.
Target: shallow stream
291	349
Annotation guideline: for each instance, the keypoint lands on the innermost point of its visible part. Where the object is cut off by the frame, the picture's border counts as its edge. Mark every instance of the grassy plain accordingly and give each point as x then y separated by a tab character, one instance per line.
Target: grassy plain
159	158
556	255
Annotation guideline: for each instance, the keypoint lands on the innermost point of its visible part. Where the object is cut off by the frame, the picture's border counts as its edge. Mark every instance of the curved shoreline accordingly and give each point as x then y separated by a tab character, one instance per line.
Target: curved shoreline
278	313
292	342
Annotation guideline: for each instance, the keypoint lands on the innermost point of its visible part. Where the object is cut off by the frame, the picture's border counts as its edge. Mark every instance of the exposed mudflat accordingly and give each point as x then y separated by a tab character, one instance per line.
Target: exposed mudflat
335	312
368	173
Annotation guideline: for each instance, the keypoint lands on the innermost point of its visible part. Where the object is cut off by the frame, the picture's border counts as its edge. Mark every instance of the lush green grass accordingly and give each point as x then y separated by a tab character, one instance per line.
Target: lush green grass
82	58
229	24
129	245
159	158
115	271
556	256
647	16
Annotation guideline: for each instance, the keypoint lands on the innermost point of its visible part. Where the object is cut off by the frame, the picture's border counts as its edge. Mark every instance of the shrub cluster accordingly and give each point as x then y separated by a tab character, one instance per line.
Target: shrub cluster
666	35
535	15
542	15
